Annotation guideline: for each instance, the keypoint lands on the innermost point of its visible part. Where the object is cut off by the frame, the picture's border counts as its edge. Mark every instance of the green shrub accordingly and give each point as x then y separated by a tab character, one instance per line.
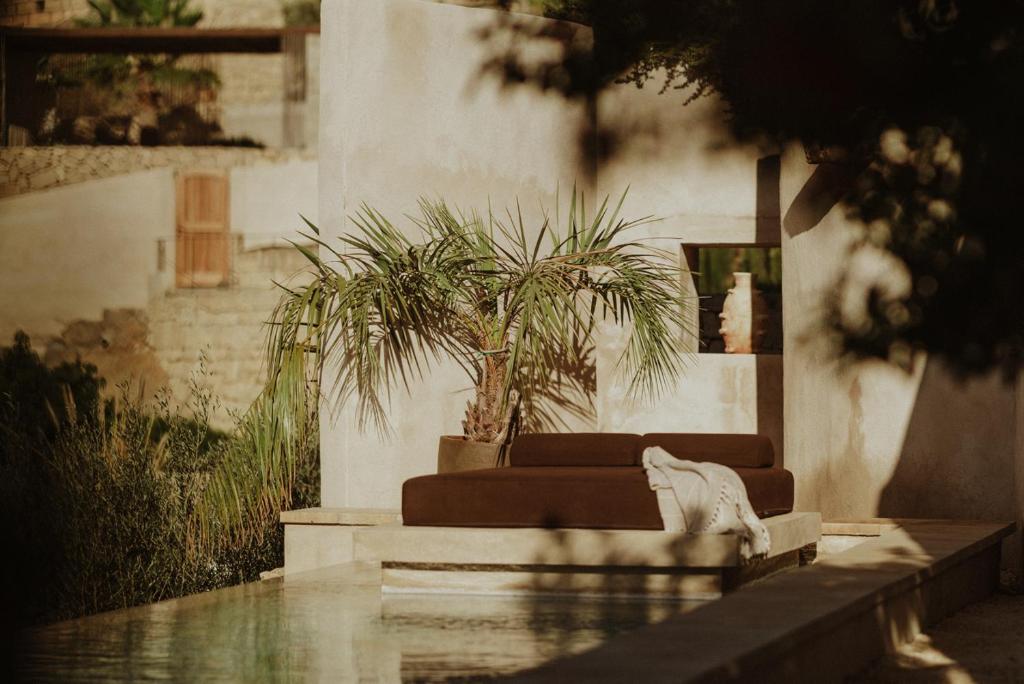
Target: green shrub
111	507
301	13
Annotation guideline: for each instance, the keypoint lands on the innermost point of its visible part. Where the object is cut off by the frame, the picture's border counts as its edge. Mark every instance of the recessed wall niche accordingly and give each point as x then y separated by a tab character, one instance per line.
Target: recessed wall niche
712	269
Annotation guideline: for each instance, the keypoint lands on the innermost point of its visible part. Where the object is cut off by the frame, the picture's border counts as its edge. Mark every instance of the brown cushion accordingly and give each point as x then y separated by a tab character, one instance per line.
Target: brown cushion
735	451
558	496
770	490
575	449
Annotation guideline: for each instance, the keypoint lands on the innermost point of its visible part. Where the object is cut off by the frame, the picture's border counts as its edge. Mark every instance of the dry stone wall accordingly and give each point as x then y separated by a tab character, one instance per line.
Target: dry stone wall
28	169
162	345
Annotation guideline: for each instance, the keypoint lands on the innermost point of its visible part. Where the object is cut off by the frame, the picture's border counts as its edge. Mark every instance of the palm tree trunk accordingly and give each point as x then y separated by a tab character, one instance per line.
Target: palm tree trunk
486	419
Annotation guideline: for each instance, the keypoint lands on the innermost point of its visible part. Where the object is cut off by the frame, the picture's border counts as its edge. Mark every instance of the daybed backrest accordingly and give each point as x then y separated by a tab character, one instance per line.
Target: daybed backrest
736	451
575	449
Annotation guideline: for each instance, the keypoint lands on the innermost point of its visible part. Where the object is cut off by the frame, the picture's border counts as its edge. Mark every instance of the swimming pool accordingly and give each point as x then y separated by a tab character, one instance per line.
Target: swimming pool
332	624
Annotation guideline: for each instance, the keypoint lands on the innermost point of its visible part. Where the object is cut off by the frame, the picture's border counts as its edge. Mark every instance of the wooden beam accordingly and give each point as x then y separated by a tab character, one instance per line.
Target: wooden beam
149	40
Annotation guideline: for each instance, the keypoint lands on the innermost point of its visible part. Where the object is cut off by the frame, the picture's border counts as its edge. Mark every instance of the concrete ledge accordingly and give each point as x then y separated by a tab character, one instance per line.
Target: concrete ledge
859	528
619	562
342	516
320	537
698	585
821	622
458	546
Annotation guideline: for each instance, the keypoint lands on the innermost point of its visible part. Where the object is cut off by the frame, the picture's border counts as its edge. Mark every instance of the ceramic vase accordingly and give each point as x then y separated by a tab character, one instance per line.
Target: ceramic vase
742	316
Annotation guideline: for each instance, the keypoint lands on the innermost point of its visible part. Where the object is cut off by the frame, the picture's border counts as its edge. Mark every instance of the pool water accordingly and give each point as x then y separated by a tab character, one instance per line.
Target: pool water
331	625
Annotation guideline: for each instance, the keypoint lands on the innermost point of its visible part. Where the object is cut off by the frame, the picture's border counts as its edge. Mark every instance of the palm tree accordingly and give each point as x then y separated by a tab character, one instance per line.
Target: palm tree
382	307
150	13
145	69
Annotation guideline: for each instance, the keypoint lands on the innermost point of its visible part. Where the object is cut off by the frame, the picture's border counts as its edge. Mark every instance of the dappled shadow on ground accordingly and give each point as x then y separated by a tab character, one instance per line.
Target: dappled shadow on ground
981	643
794	623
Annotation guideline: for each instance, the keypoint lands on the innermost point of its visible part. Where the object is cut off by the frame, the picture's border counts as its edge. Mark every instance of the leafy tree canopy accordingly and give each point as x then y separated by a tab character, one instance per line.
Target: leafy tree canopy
149	13
922	101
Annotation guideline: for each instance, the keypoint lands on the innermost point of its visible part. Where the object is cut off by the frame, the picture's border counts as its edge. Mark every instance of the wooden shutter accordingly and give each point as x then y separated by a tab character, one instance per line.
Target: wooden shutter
202	249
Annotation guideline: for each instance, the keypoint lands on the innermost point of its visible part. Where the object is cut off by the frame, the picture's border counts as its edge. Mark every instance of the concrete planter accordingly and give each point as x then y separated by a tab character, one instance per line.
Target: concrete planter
455	453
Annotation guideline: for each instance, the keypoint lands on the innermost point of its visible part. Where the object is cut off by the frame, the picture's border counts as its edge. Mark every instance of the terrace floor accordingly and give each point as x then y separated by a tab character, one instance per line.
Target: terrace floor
981	643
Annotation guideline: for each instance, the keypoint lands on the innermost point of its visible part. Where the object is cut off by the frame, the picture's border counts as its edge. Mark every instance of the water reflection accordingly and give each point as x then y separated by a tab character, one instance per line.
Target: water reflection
330	625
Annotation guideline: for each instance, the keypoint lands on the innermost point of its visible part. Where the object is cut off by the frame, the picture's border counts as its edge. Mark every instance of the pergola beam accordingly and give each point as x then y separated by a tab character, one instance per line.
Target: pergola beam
149	40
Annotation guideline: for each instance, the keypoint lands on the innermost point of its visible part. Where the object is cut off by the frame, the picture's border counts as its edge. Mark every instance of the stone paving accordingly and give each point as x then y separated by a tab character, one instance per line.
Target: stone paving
981	643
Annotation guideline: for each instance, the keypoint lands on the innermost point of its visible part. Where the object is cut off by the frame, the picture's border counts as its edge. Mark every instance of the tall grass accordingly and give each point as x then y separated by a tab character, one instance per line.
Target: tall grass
112	504
271	457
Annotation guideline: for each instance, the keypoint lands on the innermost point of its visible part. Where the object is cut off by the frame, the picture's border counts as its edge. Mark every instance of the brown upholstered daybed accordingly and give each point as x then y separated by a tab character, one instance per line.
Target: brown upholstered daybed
590	480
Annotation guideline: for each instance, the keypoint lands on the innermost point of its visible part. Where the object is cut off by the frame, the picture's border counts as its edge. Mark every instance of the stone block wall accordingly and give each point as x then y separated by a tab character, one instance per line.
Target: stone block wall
227	326
161	345
28	169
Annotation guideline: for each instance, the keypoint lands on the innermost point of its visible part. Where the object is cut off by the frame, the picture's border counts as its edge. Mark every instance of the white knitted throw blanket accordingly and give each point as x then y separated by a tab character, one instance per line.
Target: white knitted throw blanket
704	498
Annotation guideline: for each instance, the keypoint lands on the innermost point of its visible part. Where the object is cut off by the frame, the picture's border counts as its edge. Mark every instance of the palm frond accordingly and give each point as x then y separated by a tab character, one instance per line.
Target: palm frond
381	310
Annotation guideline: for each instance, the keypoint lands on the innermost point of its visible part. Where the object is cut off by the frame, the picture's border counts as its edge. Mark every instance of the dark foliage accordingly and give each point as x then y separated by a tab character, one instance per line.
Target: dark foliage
100	508
301	13
922	98
36	398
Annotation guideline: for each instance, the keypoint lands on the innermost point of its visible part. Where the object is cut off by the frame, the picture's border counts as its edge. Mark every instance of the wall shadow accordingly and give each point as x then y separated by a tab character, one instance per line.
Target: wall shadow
958	456
768	213
958	459
769	371
823	190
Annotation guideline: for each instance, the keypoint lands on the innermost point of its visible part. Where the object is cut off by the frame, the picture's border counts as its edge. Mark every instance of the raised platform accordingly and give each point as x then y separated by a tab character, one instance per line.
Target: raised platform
875	585
500	560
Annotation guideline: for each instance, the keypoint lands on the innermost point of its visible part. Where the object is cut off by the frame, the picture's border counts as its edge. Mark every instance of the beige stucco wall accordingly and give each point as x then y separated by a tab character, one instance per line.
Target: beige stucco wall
70	252
405	114
267	200
872	440
680	169
79	273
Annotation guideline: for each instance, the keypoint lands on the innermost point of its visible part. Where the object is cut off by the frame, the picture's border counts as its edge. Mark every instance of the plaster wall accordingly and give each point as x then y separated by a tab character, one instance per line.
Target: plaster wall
267	200
69	253
79	273
680	168
405	112
870	440
717	393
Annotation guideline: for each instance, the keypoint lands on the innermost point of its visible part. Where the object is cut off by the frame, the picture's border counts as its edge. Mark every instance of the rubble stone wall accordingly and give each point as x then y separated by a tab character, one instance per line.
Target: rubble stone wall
28	169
